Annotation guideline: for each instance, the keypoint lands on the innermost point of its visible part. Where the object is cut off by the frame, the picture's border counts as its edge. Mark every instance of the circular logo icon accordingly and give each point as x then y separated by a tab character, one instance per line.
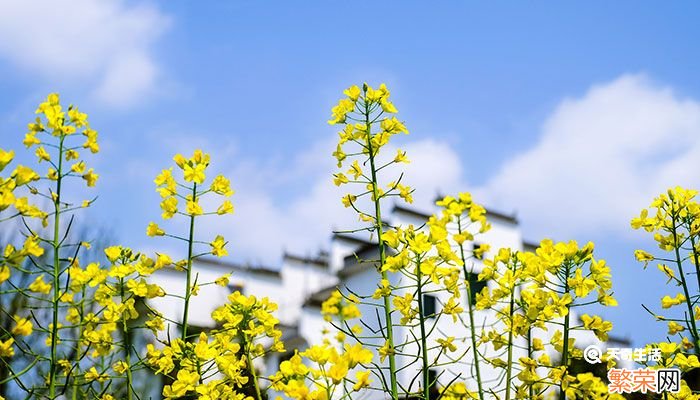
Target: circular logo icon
592	354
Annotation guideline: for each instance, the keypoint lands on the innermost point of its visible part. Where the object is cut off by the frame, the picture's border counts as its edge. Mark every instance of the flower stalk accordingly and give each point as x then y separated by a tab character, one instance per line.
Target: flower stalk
56	245
382	249
470	311
188	288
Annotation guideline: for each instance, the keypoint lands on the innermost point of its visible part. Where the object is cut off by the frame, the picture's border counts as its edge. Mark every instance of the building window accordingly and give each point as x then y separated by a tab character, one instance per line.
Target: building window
236	287
478	250
429	305
432	384
475	286
284	357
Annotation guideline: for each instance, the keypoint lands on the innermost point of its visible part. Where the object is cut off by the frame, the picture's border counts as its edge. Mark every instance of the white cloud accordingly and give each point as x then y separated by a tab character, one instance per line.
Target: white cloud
601	158
268	219
597	161
435	168
103	43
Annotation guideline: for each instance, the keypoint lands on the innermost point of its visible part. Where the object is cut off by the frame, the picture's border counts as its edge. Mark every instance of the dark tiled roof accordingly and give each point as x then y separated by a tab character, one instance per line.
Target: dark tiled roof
320	261
365	252
619	340
255	269
355	268
530	245
351	238
424	215
362	259
316	299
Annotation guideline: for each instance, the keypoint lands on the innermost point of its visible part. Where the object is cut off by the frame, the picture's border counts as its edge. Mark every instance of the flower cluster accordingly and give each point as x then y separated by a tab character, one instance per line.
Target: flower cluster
55	136
322	372
674	220
534	293
94	311
337	305
218	365
369	124
194	172
361	112
90	309
194	176
88	314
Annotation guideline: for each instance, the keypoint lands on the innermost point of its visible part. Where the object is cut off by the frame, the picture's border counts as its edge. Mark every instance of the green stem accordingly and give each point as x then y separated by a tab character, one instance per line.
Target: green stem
511	311
81	329
529	355
188	289
470	309
127	348
423	338
382	258
56	272
679	264
565	345
76	386
254	374
696	258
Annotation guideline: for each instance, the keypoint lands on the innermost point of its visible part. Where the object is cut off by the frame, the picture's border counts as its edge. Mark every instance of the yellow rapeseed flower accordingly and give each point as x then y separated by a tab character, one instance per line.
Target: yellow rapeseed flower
6	348
154	230
361	380
39	286
23	326
195	173
90	177
218	246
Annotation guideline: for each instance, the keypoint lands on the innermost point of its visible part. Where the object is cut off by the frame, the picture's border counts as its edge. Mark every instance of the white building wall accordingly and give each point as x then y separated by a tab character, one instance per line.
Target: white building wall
299	281
210	297
340	248
311	326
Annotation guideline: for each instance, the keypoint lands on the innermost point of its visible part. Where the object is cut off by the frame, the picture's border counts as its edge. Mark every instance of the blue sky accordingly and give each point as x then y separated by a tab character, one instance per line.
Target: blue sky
573	116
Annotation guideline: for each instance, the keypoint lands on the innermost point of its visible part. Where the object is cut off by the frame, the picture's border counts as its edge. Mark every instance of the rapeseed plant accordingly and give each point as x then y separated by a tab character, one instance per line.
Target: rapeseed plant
368	126
95	313
674	220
